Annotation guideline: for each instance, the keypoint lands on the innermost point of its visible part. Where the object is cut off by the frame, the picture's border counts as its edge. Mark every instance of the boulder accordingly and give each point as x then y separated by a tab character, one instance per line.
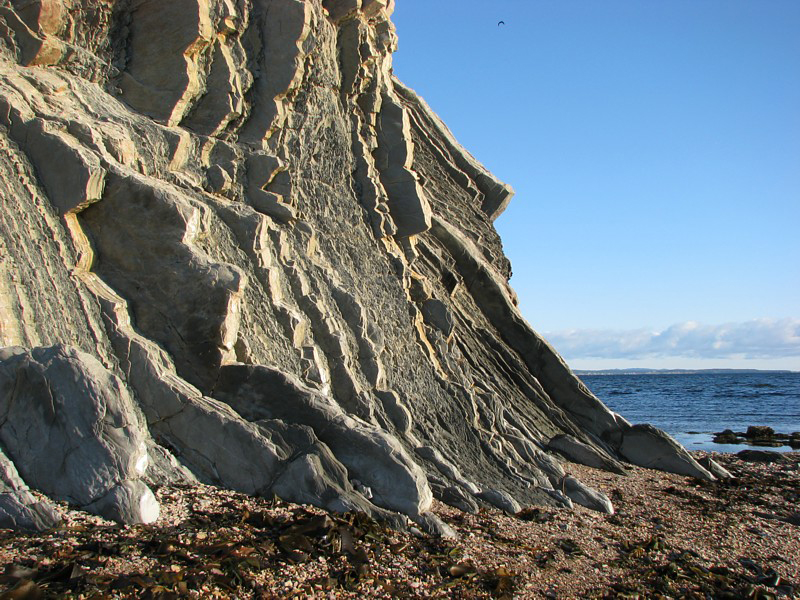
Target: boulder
761	435
433	525
500	499
454	496
763	456
586	496
727	437
130	501
60	402
759	431
713	467
649	447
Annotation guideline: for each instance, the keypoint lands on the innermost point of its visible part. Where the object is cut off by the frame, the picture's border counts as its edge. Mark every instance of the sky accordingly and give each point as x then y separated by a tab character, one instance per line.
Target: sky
654	148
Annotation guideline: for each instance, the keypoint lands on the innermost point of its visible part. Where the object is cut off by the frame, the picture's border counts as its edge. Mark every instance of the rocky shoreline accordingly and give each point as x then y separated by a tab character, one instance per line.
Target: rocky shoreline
759	435
670	536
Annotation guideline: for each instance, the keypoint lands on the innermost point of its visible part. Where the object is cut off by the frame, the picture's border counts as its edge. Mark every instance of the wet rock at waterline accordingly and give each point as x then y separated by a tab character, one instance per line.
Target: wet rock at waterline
758	435
244	253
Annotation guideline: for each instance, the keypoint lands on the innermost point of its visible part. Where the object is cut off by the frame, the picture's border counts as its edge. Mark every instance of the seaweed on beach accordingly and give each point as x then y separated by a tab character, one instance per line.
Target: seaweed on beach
773	492
664	572
670	537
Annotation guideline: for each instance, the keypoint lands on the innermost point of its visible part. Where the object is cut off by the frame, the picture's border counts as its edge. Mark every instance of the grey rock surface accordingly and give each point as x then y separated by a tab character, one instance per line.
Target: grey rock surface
165	469
74	433
130	501
280	261
646	446
582	494
713	467
584	454
365	451
500	499
19	509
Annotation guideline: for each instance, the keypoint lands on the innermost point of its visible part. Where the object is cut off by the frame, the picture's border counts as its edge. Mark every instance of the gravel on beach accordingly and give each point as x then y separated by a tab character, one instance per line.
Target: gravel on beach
671	537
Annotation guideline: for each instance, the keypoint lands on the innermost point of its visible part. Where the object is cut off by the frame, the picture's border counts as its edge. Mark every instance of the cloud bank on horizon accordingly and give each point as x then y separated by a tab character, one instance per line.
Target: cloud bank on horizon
756	339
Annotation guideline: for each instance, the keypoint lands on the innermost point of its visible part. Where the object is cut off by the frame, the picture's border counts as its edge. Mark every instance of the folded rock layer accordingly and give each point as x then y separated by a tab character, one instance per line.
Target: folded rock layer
236	249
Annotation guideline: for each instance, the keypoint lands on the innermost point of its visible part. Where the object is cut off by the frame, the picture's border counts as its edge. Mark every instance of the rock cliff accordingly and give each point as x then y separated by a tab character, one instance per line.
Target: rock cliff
236	249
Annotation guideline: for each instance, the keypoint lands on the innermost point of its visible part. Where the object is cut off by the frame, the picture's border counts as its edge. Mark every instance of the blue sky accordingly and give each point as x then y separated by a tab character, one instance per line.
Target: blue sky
655	152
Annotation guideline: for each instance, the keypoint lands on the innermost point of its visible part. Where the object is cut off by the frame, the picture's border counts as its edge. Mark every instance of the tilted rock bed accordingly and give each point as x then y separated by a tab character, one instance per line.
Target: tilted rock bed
671	536
237	250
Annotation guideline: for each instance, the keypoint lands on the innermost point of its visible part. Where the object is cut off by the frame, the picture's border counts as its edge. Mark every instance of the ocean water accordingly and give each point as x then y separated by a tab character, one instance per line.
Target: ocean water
691	407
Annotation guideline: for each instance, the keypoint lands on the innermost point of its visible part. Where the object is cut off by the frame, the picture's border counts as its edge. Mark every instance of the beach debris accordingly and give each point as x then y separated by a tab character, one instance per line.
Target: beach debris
570	547
535	514
502	581
213	542
672	572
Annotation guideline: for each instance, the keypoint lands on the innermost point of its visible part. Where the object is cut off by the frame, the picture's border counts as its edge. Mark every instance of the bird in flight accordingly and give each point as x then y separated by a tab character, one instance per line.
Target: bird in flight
501	23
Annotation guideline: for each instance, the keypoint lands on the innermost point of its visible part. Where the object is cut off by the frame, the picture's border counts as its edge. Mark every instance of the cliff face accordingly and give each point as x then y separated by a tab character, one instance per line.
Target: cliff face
235	248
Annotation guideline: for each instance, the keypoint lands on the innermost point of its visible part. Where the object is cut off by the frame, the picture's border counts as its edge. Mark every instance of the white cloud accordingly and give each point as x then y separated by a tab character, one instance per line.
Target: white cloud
760	338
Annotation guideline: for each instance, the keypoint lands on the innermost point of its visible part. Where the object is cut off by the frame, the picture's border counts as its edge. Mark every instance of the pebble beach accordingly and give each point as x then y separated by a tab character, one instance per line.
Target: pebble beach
670	537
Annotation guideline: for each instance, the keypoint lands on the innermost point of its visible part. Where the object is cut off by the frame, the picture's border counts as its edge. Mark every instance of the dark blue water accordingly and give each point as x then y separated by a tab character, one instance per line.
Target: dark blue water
691	407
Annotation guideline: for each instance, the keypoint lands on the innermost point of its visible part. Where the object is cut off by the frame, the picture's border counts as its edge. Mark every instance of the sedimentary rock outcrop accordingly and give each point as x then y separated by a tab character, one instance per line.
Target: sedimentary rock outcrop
236	248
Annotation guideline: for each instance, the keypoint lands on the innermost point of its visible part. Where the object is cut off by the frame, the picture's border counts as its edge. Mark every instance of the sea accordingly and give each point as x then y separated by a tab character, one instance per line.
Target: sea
693	406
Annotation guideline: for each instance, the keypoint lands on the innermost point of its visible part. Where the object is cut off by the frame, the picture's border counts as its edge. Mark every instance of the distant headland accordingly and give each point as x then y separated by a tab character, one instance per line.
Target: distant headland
644	371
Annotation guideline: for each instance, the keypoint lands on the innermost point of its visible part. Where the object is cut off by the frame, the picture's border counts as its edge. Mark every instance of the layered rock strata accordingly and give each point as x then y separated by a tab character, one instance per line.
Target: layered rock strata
236	249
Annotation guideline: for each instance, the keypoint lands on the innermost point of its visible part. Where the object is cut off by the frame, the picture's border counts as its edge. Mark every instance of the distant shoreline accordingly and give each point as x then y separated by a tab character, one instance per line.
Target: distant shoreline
580	372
